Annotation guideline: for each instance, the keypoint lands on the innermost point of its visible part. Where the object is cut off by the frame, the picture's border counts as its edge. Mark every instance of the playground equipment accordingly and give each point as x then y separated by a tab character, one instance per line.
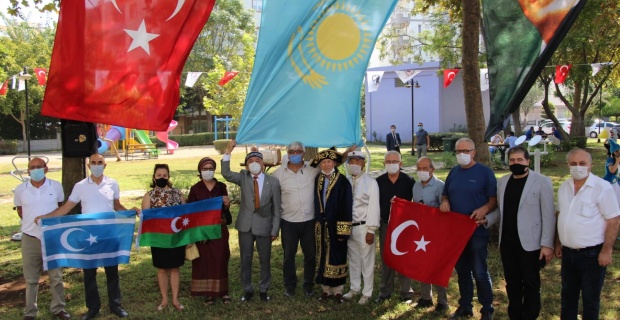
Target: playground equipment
163	137
226	120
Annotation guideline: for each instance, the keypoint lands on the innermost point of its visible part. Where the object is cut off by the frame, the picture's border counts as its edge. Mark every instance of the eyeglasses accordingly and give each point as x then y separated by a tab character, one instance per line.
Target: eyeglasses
295	151
392	162
35	167
207	169
465	151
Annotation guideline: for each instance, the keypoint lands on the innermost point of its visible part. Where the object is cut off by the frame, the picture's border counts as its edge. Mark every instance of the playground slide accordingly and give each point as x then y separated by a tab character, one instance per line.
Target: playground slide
163	137
114	134
143	138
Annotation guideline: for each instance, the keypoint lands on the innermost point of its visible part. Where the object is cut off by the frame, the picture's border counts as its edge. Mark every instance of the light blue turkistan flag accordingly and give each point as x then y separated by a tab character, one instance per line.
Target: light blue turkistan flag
87	240
310	61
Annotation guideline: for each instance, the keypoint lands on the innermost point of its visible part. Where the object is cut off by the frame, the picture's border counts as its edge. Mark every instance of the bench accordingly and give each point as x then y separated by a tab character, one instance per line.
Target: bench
147	149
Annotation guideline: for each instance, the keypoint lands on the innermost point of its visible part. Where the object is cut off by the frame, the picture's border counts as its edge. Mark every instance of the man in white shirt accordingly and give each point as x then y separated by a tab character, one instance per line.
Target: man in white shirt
361	244
96	193
297	219
587	229
35	197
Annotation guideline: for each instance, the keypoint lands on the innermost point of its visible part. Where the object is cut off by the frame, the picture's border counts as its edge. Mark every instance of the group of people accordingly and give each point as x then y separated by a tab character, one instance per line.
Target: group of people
421	139
334	218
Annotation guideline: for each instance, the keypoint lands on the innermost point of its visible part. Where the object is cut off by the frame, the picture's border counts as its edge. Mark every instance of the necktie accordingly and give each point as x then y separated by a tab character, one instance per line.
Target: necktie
256	194
394	137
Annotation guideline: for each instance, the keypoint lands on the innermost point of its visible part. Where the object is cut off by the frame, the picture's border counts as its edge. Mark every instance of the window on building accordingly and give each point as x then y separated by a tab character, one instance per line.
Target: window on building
257	5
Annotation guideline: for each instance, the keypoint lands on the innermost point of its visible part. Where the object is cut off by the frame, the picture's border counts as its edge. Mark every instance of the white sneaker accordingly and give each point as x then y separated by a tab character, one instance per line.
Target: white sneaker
363	300
350	295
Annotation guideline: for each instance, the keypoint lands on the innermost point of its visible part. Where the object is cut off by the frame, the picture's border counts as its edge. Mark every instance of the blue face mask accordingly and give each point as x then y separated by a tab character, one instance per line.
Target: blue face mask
37	174
96	170
295	158
420	128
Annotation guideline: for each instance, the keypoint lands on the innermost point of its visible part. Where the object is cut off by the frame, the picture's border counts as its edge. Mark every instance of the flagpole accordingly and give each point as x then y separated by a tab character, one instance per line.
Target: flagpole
25	76
412	84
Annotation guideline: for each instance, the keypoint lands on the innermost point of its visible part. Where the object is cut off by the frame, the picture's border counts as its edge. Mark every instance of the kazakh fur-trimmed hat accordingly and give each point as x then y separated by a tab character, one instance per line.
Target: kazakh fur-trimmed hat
330	153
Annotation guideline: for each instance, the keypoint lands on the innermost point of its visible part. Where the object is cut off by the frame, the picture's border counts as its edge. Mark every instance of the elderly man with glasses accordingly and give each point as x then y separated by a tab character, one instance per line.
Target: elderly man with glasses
471	189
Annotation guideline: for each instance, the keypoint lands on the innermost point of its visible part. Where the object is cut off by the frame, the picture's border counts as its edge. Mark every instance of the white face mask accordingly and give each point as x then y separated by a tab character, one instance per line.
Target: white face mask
355	169
463	159
255	168
424	176
579	172
207	175
328	173
392	168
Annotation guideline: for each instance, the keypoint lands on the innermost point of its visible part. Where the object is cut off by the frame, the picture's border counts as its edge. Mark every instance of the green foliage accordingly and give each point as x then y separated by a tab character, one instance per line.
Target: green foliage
16	6
196	139
448	159
8	147
220	145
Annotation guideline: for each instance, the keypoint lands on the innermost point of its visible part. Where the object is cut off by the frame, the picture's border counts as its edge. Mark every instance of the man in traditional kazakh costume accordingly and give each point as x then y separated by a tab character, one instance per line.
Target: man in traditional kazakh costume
333	206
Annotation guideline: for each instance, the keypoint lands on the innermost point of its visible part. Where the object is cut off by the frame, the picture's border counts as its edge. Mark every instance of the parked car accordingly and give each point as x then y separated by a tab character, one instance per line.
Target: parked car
599	127
546	126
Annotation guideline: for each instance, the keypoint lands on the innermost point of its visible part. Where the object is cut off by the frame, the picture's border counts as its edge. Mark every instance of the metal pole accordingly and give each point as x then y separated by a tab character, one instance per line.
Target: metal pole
412	123
27	115
600	113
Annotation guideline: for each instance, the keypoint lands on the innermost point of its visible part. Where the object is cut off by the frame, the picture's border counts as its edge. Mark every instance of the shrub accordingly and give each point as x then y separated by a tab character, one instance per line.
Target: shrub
220	145
575	142
196	139
448	159
8	147
437	139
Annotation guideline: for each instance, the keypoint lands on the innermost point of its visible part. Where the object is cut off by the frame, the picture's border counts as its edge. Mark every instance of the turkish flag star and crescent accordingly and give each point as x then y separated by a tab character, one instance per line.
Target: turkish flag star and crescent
561	73
424	243
448	76
41	75
119	61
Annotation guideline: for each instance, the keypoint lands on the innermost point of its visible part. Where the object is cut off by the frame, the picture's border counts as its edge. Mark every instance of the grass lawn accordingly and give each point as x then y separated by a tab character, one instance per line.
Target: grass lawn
139	284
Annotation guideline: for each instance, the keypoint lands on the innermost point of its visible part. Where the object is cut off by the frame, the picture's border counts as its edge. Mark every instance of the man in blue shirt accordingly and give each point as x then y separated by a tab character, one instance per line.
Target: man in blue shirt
471	189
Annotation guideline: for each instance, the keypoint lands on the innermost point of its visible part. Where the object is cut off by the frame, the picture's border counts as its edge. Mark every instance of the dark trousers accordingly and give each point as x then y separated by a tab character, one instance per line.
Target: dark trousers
388	274
93	303
581	273
246	252
294	234
521	271
473	261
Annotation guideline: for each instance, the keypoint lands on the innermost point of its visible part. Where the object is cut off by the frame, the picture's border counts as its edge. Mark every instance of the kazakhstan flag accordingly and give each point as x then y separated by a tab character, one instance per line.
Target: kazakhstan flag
310	62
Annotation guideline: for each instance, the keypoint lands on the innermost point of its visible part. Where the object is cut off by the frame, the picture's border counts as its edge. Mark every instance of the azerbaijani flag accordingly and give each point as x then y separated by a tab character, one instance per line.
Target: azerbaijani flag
171	227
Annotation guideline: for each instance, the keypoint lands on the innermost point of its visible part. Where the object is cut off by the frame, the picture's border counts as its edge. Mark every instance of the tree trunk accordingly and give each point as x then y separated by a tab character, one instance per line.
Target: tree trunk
310	153
73	171
516	119
471	79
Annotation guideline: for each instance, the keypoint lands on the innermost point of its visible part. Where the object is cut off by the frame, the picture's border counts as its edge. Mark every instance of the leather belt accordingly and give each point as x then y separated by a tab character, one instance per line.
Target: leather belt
598	246
358	223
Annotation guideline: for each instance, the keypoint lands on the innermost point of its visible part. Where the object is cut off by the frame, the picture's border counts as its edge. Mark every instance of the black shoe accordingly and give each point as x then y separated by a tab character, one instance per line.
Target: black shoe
423	303
119	312
325	297
247	296
338	298
380	299
90	315
308	292
461	313
289	292
486	315
264	296
441	308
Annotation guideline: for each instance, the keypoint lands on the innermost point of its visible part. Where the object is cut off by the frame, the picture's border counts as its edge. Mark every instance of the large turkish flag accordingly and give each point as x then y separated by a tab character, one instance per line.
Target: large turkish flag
424	243
119	61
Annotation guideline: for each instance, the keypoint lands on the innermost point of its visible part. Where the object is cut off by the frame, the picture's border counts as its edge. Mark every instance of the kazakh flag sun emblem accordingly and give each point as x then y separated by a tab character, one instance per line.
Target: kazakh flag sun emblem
338	39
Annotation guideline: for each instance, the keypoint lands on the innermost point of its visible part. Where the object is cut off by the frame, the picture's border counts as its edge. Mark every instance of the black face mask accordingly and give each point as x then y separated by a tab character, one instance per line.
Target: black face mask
518	169
161	182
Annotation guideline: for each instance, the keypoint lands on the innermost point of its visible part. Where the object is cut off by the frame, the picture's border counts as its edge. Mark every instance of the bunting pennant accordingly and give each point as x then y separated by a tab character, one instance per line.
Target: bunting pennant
228	75
192	77
311	59
41	74
561	73
374	80
484	80
406	75
14	79
596	67
520	38
21	85
3	87
448	76
143	46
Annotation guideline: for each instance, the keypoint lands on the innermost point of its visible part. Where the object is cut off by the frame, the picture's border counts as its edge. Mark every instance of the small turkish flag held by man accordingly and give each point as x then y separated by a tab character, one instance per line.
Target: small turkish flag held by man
448	76
120	62
228	75
41	75
424	243
3	87
561	73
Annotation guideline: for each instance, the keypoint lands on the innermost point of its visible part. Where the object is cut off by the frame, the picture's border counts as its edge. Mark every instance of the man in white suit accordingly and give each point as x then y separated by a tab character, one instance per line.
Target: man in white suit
525	210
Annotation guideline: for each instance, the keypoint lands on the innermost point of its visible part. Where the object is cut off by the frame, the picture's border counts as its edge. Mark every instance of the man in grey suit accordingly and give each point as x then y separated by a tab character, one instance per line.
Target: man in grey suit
526	217
258	220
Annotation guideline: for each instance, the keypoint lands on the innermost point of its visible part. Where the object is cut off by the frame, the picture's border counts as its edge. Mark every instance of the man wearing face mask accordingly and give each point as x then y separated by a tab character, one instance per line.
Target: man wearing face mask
393	183
422	140
392	140
32	198
96	193
297	221
258	220
526	217
587	230
333	207
361	244
428	191
471	189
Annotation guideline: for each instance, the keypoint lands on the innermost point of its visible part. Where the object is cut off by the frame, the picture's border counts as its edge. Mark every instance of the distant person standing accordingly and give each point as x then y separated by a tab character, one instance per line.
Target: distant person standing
422	140
510	139
393	139
529	134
